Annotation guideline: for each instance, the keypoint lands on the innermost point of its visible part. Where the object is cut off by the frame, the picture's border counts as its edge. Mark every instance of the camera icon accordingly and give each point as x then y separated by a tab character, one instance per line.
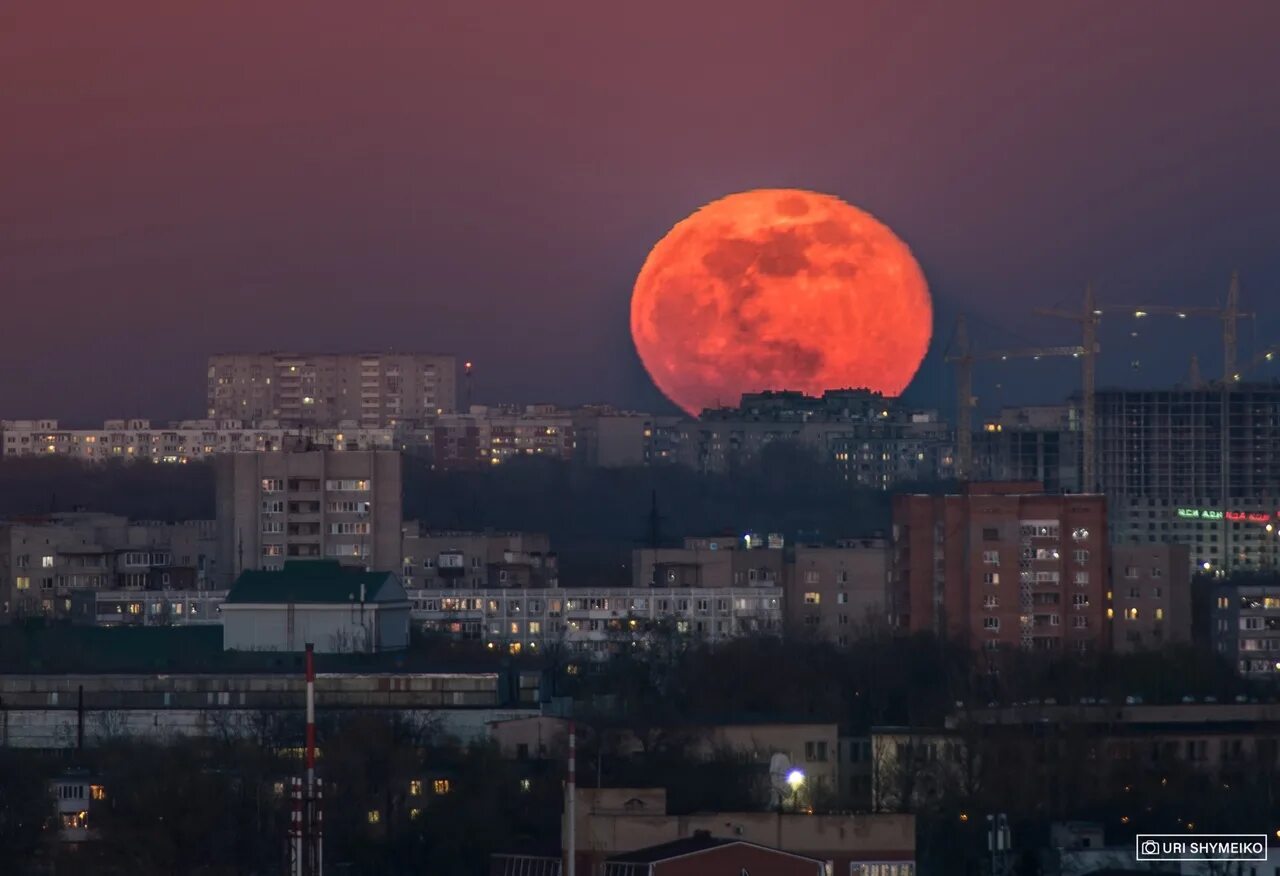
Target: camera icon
1150	848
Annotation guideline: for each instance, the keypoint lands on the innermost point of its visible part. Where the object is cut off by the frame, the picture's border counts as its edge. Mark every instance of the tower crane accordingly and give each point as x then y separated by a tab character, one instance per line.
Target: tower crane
963	357
1091	314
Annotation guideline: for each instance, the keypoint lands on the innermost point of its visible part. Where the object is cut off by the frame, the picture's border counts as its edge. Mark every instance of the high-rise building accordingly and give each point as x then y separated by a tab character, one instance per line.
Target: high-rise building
868	439
372	389
1197	466
320	504
1002	564
1033	443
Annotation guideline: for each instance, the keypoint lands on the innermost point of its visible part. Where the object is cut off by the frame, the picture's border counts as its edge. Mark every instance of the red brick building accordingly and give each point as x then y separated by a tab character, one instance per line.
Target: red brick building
1003	564
704	855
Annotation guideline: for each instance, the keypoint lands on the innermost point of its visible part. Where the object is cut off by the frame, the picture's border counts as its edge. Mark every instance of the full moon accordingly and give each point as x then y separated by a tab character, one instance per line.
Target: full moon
779	289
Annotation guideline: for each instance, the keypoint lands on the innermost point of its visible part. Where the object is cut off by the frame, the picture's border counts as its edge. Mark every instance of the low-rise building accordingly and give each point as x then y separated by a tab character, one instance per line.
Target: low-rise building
598	622
611	821
106	608
77	794
338	609
702	853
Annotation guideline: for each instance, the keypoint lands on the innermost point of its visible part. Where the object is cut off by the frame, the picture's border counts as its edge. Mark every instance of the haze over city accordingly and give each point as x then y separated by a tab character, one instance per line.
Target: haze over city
232	177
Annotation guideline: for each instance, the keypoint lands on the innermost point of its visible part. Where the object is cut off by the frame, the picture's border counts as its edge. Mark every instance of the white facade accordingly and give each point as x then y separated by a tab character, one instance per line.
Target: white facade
598	622
180	442
331	628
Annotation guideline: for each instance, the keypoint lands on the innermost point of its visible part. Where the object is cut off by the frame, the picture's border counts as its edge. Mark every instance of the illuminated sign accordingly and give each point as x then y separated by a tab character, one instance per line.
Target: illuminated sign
1214	514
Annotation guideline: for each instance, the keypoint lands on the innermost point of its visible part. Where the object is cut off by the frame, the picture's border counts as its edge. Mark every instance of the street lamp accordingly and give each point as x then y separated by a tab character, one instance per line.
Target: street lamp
795	779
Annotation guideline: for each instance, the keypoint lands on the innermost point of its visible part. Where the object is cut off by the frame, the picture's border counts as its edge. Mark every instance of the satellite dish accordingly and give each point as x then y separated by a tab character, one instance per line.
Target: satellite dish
779	769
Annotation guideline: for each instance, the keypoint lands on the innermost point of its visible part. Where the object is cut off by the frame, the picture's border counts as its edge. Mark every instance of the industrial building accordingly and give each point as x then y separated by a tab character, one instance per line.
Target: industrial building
336	608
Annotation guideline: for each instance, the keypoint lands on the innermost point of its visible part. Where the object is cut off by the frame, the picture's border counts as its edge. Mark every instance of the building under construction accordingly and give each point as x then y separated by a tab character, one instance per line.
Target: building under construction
1197	465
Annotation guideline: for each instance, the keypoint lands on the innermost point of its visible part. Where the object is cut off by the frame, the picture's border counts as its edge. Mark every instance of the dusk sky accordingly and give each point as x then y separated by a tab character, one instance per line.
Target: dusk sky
487	178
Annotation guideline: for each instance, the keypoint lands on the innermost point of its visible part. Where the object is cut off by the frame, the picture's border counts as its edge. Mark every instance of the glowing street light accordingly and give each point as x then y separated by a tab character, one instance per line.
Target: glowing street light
795	779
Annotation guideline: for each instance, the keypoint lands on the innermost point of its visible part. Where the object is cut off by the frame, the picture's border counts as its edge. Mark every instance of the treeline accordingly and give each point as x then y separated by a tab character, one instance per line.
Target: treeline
593	516
883	679
137	490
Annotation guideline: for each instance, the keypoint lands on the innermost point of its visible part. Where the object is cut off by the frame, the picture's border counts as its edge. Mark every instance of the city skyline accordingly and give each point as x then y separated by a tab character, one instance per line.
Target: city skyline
203	211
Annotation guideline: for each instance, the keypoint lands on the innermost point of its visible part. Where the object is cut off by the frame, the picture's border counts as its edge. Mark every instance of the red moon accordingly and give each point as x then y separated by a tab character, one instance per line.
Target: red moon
779	289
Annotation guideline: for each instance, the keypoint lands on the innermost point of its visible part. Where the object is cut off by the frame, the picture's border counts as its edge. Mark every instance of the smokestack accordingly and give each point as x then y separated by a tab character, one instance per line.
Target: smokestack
571	808
311	817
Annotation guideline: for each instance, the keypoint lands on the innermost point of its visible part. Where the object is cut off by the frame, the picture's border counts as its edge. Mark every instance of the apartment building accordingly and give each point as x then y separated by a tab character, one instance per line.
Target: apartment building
373	389
748	560
182	441
149	608
1196	466
597	623
837	592
477	560
1151	596
606	437
1032	443
490	435
1246	626
343	505
1002	564
46	560
871	440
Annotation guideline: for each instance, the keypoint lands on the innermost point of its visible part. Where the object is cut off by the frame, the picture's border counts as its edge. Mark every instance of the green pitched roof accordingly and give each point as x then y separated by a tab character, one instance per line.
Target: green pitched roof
312	581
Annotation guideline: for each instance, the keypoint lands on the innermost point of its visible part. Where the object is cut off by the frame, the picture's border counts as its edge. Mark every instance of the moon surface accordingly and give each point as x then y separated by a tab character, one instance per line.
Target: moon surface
779	289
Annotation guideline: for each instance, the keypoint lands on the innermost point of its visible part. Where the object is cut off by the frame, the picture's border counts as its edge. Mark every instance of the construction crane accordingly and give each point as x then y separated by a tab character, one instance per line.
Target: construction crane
1091	314
962	356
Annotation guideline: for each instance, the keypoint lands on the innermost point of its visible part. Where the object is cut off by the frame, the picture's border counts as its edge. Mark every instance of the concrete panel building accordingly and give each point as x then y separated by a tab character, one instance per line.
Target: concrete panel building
711	561
373	389
451	560
1246	627
342	505
835	592
596	622
336	608
1151	595
1003	564
45	560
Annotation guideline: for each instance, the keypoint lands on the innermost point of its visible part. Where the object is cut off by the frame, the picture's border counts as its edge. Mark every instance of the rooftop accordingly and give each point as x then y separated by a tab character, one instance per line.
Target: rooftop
688	846
312	581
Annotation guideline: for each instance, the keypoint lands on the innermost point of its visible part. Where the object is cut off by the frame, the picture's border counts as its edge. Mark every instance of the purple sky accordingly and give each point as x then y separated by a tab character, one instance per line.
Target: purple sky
487	178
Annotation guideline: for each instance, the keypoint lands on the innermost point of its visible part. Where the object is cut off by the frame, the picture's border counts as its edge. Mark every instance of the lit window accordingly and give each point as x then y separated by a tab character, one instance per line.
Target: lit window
46	562
1159	614
812	598
415	814
525	785
415	788
440	786
1130	614
375	816
22	582
97	792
